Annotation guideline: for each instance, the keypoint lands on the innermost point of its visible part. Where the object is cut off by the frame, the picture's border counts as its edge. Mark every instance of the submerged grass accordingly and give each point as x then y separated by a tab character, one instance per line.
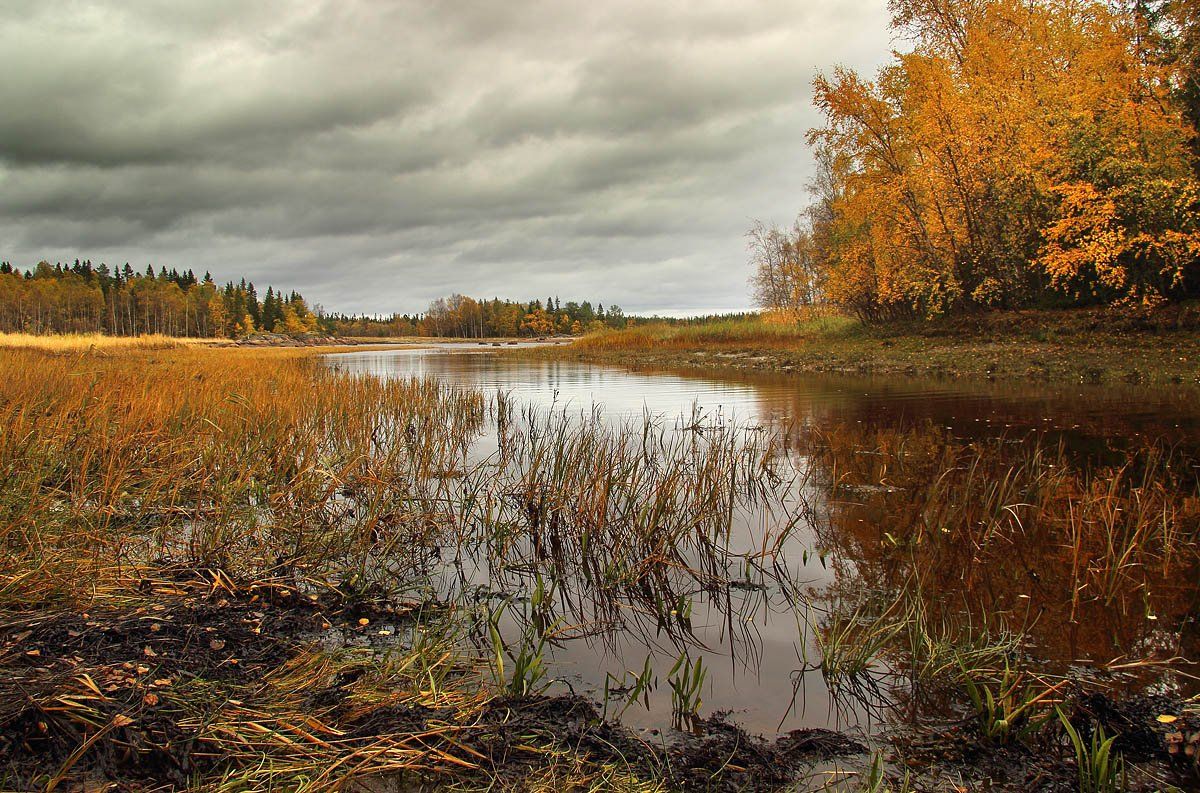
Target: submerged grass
1017	530
1002	579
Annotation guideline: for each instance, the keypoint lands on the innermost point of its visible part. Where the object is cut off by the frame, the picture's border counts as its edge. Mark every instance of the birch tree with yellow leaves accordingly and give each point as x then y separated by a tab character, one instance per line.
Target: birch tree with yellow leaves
1015	154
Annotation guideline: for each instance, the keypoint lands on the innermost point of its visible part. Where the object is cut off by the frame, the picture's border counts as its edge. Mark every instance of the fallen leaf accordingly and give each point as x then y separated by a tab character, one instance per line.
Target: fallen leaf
150	699
364	621
1167	718
217	644
149	652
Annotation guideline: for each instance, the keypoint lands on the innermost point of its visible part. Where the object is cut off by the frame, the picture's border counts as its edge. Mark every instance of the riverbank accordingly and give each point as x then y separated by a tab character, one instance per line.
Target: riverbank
1084	346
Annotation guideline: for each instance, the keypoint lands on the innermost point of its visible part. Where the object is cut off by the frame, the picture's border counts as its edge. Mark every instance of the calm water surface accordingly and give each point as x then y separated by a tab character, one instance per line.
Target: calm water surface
752	638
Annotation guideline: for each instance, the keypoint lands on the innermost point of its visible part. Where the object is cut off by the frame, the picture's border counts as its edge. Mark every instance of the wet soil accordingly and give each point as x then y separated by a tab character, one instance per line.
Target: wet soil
134	684
118	694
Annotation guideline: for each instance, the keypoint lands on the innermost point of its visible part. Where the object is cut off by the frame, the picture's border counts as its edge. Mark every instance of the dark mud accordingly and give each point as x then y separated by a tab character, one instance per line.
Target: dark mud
1154	752
120	696
133	676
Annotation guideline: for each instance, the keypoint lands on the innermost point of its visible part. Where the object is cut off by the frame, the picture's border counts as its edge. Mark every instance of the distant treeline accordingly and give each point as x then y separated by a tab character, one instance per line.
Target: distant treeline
82	298
699	319
459	316
1022	153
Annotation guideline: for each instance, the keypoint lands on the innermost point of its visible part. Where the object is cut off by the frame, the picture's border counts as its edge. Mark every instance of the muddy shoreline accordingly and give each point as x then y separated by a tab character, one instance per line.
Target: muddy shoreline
138	673
150	679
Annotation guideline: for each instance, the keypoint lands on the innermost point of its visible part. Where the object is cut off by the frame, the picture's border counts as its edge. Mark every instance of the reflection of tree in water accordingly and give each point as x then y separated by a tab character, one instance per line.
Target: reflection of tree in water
984	541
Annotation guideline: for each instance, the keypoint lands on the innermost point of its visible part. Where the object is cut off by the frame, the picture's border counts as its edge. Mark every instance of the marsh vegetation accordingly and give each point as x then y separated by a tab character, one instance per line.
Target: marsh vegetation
252	570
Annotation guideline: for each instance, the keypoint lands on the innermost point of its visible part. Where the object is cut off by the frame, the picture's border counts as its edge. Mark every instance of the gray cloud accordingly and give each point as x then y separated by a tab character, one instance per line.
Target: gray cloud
375	154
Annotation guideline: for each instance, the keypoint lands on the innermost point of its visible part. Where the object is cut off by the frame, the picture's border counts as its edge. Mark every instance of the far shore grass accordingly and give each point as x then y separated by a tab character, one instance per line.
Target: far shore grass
1079	346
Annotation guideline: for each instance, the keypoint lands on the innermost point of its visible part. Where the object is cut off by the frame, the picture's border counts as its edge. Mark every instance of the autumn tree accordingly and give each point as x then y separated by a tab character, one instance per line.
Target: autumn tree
119	301
1018	153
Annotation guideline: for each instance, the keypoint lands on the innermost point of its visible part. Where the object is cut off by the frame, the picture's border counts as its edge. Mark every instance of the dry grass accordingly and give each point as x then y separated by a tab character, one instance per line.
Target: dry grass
750	331
80	342
1090	346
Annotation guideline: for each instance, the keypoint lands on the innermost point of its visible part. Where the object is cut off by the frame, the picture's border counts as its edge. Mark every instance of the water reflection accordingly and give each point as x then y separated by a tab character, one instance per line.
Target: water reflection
865	515
1108	413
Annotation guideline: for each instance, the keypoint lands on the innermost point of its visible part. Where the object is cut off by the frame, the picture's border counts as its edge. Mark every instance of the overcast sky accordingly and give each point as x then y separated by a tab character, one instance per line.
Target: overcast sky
375	154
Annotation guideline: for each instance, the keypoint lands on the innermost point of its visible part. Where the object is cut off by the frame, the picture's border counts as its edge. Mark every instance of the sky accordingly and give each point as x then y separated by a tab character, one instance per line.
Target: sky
377	154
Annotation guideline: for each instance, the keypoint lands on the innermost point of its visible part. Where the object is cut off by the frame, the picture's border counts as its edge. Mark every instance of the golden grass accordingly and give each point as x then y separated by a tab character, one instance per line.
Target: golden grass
79	342
751	331
187	482
1089	346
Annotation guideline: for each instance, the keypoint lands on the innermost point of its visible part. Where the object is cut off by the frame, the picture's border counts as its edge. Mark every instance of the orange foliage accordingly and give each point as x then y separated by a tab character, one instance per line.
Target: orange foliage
1019	148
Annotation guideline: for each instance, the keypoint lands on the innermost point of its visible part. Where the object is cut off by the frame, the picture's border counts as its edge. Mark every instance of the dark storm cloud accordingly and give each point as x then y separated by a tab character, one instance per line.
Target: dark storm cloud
375	154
